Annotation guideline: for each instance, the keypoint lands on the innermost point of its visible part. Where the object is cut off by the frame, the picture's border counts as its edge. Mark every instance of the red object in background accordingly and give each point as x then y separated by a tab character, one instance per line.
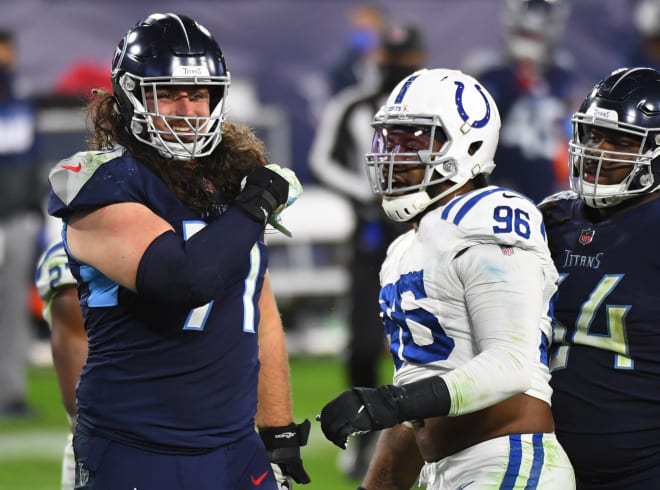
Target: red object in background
35	303
82	77
560	165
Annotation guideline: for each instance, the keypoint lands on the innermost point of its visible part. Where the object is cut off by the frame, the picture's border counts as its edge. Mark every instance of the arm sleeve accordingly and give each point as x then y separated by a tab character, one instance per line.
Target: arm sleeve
190	272
504	299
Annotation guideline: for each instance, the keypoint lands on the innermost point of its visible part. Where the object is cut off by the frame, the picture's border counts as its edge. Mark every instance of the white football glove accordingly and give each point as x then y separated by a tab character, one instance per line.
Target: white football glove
283	482
295	190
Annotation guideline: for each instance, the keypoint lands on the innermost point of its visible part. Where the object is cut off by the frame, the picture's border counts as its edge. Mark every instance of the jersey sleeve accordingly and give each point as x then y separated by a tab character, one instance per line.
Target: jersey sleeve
92	179
505	295
52	275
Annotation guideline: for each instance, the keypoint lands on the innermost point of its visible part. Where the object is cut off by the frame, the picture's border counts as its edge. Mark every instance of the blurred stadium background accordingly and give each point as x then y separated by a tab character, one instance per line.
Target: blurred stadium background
279	52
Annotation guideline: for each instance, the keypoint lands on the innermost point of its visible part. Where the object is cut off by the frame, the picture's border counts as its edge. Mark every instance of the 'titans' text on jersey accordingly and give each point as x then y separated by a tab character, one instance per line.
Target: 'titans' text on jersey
425	280
606	322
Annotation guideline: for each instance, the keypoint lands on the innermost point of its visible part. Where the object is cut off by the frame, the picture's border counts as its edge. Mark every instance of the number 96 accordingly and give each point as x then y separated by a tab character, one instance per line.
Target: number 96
515	220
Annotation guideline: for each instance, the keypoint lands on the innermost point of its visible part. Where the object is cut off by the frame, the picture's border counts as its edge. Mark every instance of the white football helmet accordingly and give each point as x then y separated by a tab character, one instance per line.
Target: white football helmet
442	106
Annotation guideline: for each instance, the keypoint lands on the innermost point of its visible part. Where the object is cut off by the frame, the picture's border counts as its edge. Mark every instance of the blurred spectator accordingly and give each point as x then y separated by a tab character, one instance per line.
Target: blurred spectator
21	194
534	85
337	160
356	64
646	52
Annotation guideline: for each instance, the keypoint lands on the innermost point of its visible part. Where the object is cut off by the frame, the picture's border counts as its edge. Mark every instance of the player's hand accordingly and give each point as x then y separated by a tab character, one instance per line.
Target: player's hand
283	445
268	190
357	411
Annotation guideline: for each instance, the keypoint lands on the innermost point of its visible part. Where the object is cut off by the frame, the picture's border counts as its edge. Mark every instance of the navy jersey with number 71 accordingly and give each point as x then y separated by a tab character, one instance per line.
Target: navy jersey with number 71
182	378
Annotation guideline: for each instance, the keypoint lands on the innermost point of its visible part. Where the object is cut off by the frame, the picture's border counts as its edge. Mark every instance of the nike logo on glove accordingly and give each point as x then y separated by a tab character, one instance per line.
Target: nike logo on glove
258	480
73	168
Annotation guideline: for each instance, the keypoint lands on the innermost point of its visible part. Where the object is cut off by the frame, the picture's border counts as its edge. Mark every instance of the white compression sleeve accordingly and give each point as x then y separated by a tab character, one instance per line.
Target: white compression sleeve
505	302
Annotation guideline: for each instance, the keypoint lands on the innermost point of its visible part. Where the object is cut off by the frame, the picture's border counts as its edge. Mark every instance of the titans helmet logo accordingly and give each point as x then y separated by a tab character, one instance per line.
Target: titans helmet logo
118	57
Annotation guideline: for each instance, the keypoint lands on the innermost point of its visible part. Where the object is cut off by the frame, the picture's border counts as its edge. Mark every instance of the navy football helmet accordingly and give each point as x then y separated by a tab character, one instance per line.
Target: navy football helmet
165	50
627	105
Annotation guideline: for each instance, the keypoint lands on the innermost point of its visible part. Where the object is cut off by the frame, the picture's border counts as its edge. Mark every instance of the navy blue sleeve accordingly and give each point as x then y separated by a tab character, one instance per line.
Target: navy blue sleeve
191	272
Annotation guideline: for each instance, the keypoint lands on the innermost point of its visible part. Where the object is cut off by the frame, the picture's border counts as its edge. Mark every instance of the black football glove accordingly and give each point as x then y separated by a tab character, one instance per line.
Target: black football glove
264	191
359	410
283	445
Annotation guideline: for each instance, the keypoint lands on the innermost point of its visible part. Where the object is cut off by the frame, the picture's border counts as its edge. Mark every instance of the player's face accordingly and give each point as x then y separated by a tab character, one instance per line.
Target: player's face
614	149
188	101
404	144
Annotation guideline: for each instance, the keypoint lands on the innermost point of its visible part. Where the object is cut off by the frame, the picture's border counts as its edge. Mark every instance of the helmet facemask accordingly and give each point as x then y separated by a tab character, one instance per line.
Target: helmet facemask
176	137
589	166
412	147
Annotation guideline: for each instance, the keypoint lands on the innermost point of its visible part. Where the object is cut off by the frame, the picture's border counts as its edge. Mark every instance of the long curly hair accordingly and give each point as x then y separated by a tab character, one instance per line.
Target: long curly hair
239	152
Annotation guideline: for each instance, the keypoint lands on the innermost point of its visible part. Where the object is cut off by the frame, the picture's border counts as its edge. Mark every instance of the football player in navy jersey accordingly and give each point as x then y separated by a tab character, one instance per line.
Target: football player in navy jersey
605	358
533	82
465	304
163	224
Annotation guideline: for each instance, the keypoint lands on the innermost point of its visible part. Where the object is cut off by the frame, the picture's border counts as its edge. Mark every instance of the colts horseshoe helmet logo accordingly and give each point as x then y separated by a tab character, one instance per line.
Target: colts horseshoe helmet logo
460	87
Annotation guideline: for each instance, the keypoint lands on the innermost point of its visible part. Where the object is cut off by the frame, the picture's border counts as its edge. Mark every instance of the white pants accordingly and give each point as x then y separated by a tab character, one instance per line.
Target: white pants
517	461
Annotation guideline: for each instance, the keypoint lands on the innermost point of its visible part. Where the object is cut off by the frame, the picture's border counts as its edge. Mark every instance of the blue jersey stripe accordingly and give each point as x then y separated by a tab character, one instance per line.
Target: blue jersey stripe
543	230
537	464
515	458
468	205
103	292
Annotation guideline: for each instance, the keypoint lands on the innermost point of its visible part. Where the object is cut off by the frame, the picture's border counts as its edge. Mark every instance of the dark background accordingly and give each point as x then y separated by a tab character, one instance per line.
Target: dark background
284	47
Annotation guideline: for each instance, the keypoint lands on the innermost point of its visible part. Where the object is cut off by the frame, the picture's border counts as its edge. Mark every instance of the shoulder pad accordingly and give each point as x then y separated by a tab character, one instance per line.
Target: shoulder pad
496	215
68	176
557	207
559	196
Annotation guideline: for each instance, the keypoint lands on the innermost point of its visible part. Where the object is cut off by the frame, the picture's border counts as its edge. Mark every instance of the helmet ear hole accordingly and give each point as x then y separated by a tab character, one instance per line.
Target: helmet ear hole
474	147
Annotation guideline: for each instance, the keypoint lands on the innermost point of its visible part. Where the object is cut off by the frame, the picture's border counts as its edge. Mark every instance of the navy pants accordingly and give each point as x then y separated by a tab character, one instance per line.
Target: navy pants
102	464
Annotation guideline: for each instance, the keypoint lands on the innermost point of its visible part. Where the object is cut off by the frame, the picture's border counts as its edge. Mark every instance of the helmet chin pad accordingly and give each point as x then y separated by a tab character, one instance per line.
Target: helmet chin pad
406	207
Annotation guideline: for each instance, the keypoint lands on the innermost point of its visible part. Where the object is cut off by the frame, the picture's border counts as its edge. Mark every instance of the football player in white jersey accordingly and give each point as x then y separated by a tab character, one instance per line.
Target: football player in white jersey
57	287
465	301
